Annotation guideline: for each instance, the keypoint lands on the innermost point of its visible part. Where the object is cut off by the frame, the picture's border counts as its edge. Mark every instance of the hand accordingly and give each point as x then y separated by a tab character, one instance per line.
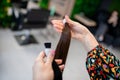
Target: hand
42	69
78	31
59	62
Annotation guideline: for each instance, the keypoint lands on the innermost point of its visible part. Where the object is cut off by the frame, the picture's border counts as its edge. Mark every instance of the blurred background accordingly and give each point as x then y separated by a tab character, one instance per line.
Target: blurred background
25	26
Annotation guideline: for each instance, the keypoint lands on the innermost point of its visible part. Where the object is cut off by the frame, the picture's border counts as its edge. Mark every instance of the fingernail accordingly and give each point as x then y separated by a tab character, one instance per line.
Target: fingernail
52	52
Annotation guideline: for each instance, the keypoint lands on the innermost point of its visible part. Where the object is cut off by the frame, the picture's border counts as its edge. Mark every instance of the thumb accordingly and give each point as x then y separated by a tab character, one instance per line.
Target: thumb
50	57
68	20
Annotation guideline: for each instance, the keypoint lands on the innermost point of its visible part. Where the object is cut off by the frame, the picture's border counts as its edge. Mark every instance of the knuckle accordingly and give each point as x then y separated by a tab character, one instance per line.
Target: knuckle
36	61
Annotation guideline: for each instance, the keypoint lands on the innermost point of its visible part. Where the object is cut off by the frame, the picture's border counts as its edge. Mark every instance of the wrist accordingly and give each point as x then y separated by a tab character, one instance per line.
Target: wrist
89	42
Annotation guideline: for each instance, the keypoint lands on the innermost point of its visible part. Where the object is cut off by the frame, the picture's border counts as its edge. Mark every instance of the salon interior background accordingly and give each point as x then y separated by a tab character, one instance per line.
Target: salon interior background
16	60
89	7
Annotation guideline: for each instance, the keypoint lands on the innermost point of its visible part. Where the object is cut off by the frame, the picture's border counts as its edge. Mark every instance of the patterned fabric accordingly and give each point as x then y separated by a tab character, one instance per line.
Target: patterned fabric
102	65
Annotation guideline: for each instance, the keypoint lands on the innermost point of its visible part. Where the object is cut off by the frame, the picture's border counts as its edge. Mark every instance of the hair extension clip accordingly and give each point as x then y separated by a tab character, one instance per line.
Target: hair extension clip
64	21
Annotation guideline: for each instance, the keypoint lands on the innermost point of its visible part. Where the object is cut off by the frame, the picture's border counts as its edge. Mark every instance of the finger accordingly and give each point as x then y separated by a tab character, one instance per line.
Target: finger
68	20
50	57
60	31
62	67
58	26
56	21
41	57
61	26
58	61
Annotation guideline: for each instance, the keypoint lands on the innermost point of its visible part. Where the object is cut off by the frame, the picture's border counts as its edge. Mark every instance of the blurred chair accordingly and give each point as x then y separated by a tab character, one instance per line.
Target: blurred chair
36	18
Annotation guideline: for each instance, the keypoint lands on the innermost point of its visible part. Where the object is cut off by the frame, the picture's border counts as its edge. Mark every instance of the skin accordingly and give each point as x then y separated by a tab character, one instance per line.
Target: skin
78	31
42	70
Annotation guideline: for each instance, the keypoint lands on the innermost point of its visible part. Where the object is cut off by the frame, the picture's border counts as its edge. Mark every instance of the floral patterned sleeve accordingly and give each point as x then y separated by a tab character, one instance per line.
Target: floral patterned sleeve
102	64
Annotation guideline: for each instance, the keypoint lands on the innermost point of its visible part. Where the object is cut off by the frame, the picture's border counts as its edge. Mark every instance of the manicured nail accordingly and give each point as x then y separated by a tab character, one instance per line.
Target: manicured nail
52	52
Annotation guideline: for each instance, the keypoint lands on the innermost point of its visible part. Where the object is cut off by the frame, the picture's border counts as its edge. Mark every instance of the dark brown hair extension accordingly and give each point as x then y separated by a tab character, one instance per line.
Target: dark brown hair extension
63	44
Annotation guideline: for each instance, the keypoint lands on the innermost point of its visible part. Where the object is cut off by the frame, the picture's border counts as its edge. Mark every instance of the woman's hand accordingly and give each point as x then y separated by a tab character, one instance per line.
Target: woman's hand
42	69
78	31
59	62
